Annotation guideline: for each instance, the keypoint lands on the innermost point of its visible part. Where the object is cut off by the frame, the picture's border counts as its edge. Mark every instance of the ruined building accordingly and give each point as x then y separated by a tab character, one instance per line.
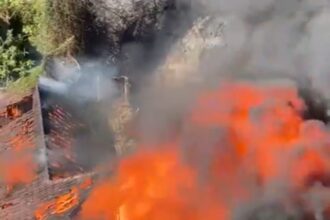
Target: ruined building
26	190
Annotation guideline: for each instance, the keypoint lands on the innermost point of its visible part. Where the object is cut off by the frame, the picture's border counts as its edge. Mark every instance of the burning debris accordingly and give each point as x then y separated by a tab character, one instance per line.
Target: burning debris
15	110
219	147
242	143
61	205
239	143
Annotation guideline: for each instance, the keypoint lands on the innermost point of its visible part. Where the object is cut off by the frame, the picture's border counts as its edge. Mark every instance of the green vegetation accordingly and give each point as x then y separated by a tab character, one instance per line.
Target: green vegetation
65	23
24	84
20	25
30	32
13	61
29	14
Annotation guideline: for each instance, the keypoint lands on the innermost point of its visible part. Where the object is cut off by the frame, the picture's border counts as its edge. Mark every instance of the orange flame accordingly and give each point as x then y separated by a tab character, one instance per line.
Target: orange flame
17	169
236	137
19	166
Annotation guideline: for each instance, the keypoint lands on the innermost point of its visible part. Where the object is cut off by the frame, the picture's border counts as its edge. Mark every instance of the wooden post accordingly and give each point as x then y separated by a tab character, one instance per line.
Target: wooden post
125	86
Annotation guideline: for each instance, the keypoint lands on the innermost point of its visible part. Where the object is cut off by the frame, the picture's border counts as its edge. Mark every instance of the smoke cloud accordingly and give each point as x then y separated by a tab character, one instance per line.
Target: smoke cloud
85	93
286	39
272	39
263	39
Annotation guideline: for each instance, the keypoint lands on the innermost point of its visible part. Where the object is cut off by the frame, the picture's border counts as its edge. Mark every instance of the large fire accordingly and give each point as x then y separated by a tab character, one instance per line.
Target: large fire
238	143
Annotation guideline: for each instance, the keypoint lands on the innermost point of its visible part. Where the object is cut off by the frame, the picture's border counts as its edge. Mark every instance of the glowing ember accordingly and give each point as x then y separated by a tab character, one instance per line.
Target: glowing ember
59	206
87	183
237	141
13	112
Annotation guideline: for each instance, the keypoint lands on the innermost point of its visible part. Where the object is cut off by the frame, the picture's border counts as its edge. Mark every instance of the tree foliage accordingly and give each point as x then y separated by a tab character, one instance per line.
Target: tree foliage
65	24
22	25
31	15
50	27
13	61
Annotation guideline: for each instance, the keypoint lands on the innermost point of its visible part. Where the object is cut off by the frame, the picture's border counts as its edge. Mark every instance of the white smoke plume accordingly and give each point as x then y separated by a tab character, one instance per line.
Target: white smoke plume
86	92
90	81
273	38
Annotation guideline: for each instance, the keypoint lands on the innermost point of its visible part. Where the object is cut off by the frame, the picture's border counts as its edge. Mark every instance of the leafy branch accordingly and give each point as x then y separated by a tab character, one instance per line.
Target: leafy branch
13	61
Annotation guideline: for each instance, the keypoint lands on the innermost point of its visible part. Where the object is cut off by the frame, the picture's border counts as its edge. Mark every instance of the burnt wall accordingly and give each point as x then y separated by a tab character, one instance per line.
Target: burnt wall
78	136
21	134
